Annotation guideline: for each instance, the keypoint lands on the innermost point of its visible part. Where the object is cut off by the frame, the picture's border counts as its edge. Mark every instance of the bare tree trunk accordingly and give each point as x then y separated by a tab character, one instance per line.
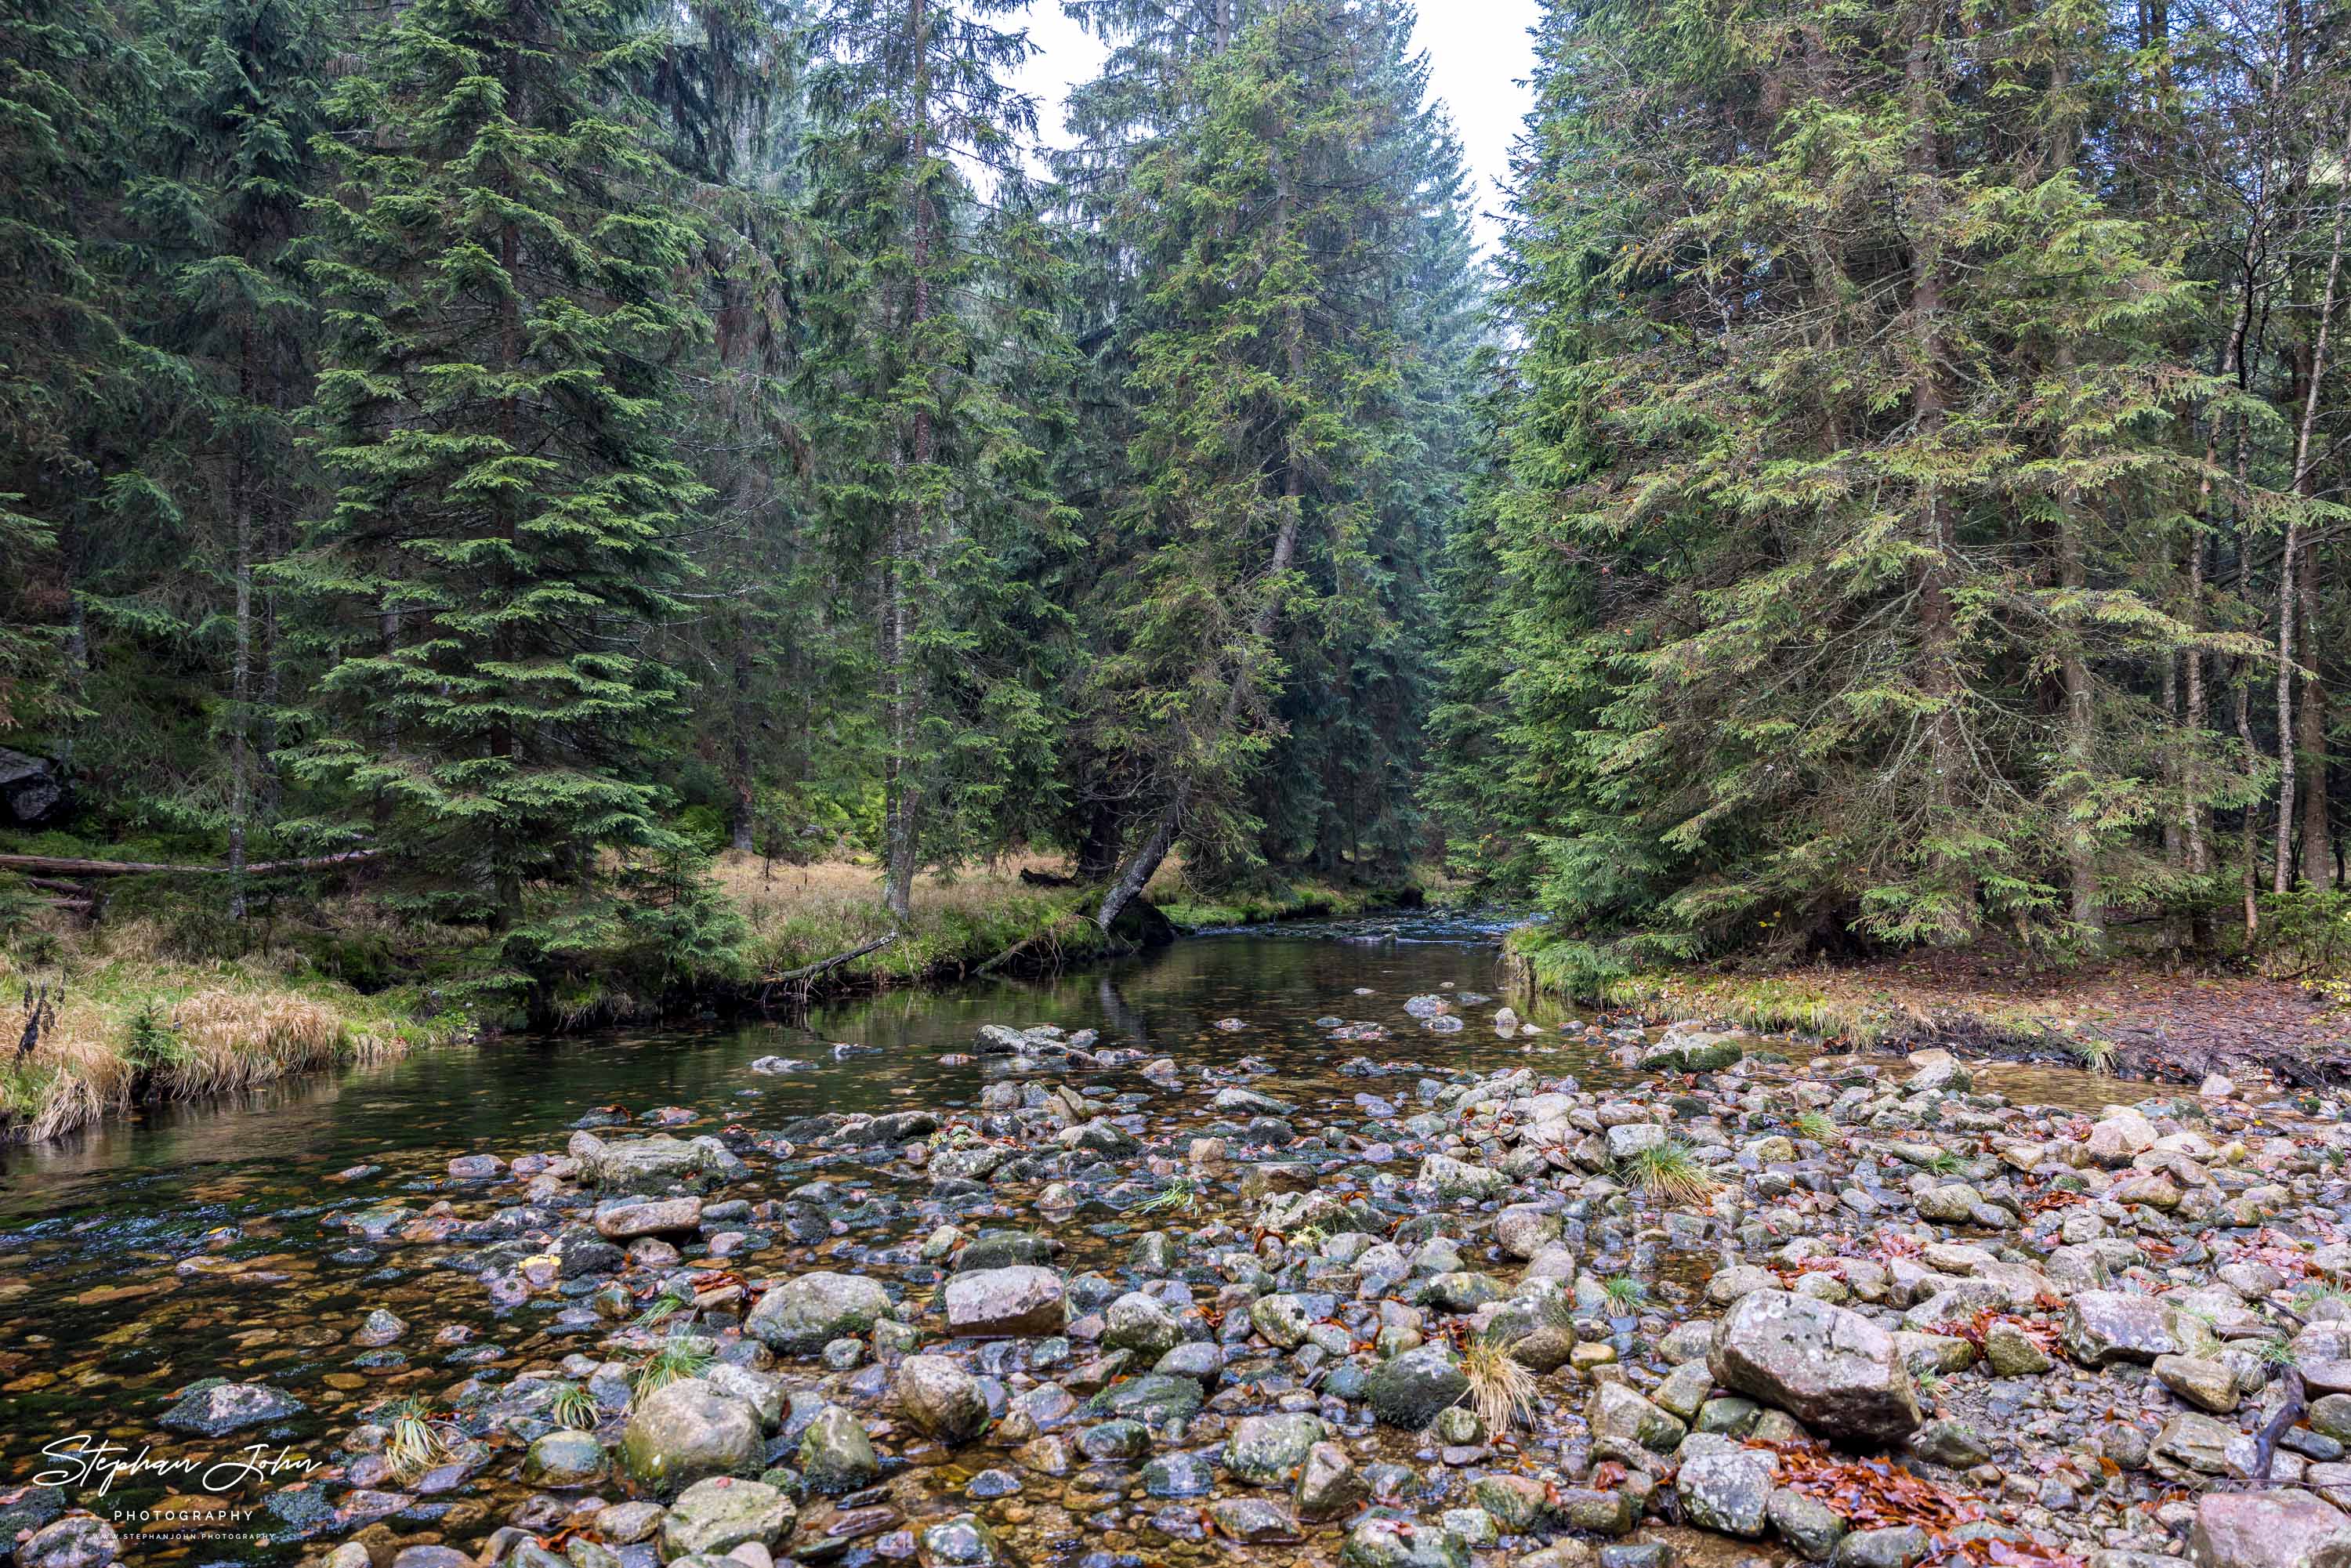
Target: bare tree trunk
75	665
1938	619
2081	742
2288	596
2243	704
901	828
2194	812
744	807
1098	853
240	683
2195	821
2318	835
244	487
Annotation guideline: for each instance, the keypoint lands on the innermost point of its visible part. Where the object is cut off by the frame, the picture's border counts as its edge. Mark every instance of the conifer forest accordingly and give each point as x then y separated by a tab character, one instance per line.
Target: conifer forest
485	467
1115	784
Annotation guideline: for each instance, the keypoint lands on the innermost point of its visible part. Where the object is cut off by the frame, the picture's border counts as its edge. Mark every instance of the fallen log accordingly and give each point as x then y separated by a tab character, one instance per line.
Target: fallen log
62	865
810	971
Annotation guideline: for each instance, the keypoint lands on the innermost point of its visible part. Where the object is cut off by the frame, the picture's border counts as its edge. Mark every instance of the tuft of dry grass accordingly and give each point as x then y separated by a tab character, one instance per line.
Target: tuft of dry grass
132	1024
1501	1389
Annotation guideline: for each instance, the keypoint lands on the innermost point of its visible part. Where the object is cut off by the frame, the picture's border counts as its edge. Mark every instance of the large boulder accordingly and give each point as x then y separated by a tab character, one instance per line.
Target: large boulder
1397	1544
563	1459
940	1398
31	789
76	1540
962	1541
1452	1178
685	1431
716	1515
1005	1303
2286	1529
1142	1324
627	1219
642	1160
836	1455
1267	1450
1329	1482
2103	1327
224	1408
804	1313
1618	1413
1152	1399
1828	1366
1727	1493
1408	1390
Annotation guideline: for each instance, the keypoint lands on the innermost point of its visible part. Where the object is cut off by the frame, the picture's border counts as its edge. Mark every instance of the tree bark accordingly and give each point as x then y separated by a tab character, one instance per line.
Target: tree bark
2318	835
743	808
1938	628
2289	596
901	828
240	487
2081	742
1098	853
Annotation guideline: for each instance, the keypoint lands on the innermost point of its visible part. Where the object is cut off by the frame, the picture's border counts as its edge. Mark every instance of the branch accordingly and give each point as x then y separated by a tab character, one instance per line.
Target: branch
809	971
63	866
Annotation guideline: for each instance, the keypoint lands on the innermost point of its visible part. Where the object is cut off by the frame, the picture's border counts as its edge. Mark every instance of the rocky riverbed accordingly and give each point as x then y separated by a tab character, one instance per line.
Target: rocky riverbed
1725	1300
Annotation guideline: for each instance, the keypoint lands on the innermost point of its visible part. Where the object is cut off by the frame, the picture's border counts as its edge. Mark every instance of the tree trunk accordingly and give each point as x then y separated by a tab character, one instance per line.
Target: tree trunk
2318	833
2289	595
2081	741
240	683
901	828
2194	814
1098	852
744	807
1938	627
506	875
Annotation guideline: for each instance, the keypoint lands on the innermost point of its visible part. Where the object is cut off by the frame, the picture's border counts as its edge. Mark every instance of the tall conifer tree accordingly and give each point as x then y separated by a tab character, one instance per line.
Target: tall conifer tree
496	406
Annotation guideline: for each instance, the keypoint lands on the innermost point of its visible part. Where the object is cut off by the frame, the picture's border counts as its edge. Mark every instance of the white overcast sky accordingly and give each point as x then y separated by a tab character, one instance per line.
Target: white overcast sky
1479	57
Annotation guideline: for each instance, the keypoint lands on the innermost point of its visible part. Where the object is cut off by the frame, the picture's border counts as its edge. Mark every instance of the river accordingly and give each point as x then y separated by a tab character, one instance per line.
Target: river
207	1240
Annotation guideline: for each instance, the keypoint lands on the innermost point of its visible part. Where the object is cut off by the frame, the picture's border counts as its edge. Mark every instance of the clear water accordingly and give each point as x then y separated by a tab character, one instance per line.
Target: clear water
187	1244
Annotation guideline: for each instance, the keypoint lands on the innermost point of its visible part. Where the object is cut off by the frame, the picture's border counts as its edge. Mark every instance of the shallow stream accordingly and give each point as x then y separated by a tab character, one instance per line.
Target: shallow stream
206	1242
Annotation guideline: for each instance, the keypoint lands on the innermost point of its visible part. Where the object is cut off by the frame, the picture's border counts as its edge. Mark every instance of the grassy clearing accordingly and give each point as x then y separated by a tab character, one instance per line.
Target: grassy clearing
133	1023
1304	900
800	916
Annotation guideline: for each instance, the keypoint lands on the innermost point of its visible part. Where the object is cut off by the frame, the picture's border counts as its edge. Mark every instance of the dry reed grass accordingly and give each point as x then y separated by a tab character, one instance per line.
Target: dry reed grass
131	1023
800	915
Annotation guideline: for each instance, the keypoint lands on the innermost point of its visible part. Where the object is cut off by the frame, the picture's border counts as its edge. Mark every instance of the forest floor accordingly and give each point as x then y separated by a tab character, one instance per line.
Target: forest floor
2134	1016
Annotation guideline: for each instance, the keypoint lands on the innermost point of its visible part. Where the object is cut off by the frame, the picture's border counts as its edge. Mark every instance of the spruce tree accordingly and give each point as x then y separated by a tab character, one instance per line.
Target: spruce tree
228	173
934	368
496	407
1828	451
76	81
1282	213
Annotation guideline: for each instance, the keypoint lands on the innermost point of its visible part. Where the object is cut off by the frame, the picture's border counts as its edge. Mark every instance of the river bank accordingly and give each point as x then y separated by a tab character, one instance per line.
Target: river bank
2138	1017
1270	1247
150	1009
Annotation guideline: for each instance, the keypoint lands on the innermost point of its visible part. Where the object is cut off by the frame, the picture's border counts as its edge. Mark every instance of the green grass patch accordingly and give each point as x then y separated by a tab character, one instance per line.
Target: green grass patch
1307	900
